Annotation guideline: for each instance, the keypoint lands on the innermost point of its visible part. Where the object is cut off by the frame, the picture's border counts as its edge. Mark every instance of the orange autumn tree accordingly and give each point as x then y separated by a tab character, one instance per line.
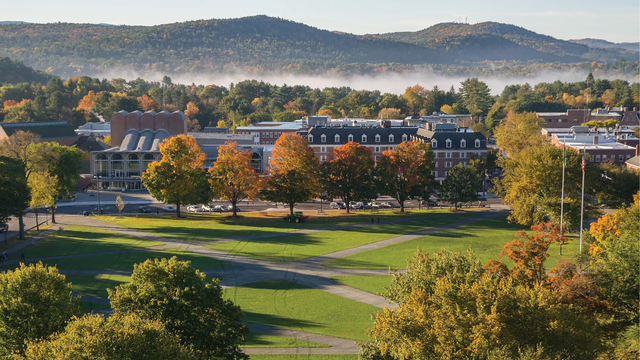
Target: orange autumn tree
293	172
406	172
148	103
179	177
348	175
232	176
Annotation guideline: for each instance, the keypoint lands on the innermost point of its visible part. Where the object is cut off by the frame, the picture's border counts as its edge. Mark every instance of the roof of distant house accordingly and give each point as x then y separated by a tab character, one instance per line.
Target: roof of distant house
634	161
267	126
46	130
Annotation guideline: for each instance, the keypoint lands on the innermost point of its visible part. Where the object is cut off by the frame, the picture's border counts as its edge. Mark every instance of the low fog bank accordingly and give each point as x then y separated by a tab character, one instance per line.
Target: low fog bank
386	82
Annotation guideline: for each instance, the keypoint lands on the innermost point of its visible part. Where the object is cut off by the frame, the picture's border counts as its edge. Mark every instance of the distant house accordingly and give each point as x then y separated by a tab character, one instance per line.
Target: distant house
56	131
266	133
575	117
600	146
634	163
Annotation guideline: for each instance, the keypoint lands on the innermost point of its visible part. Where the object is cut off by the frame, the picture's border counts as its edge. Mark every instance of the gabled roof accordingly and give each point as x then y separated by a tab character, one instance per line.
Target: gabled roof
634	161
46	130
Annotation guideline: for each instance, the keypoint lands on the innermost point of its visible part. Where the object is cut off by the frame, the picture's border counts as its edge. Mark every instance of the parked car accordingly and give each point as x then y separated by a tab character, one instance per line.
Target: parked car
208	208
356	205
389	205
375	205
220	208
231	208
169	209
193	208
144	209
337	205
429	203
4	227
366	206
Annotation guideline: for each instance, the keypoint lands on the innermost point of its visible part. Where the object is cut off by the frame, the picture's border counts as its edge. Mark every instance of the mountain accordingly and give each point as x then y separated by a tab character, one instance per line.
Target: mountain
13	72
604	44
263	44
12	22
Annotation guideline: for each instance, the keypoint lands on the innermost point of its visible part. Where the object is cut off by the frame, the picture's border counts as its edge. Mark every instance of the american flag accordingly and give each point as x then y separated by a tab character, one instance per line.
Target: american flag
584	162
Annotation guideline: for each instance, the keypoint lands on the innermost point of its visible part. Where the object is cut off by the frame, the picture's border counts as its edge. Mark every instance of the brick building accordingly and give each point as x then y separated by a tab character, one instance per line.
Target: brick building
576	117
266	133
601	147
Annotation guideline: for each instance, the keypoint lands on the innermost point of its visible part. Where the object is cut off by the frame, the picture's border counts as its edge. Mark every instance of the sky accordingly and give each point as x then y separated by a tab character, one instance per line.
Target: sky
614	20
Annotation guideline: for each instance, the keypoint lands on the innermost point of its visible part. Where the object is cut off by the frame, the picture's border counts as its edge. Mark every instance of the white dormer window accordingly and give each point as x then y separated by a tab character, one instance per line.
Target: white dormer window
448	143
434	143
364	138
323	138
350	138
405	138
310	138
391	139
477	143
463	143
336	138
377	138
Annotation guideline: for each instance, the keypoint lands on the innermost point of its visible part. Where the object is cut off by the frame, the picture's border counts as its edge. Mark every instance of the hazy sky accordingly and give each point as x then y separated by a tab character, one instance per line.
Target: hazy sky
615	20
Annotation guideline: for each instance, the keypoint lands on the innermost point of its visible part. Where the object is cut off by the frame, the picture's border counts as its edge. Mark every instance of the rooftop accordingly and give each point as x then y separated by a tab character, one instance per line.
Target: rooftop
271	126
46	130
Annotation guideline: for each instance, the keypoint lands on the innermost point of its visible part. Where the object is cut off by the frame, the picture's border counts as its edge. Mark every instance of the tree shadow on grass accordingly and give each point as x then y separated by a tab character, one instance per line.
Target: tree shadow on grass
281	321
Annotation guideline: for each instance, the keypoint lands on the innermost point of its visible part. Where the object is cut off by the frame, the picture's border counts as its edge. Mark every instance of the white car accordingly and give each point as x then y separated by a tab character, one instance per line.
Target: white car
169	209
208	208
220	208
193	208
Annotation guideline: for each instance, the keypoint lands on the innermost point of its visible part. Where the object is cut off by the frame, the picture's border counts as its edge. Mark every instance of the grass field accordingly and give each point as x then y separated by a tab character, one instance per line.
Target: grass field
299	246
75	240
292	306
374	284
303	356
96	285
264	340
486	238
199	227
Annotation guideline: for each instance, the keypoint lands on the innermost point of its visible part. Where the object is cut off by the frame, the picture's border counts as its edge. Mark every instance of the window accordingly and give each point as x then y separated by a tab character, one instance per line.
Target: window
323	149
117	165
375	158
133	165
448	143
404	137
310	138
392	147
336	138
435	173
377	149
447	155
436	164
146	160
463	143
463	155
477	143
377	138
323	138
621	158
391	138
350	138
464	163
264	134
604	158
102	168
597	158
434	143
447	164
364	138
446	173
628	157
323	158
270	134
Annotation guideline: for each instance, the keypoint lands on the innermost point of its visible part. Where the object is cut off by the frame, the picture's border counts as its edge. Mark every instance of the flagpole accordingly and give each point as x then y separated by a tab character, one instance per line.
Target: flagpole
564	163
582	206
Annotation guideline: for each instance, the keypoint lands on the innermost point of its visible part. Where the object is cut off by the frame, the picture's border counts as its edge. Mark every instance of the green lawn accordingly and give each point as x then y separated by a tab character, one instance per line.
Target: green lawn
486	238
299	246
263	340
374	284
203	227
96	285
304	357
292	306
125	260
75	240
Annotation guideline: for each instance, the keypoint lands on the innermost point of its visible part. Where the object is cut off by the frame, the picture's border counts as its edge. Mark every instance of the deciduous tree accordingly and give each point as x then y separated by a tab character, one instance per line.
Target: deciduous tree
176	294
64	164
44	191
293	172
349	174
35	302
460	186
14	191
178	178
232	176
406	171
519	132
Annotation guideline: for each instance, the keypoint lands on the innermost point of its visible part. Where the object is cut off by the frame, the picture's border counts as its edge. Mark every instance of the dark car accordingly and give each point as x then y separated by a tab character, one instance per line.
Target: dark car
429	203
4	227
144	209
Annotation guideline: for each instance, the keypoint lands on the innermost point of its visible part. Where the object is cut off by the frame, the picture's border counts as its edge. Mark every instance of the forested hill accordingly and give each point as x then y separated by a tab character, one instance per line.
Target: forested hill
604	44
13	72
262	43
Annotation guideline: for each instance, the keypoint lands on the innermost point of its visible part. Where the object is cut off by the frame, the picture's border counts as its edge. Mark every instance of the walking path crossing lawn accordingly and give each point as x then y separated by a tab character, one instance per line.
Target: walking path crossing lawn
303	356
291	306
486	238
88	307
80	240
293	247
125	260
374	284
263	340
204	227
96	285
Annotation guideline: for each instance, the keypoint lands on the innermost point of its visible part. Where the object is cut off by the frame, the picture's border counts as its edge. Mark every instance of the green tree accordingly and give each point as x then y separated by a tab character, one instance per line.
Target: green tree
174	293
406	171
616	185
64	164
119	204
349	174
460	186
14	190
293	172
125	337
476	96
35	302
43	192
519	132
178	178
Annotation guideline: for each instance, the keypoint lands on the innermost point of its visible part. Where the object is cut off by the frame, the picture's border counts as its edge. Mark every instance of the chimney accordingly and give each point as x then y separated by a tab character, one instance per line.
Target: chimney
595	140
637	149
